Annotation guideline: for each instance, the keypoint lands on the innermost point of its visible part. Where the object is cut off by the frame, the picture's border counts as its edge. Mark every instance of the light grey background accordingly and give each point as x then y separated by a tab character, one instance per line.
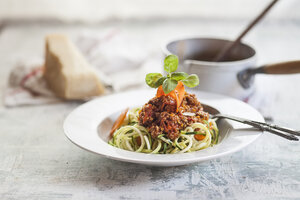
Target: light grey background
38	162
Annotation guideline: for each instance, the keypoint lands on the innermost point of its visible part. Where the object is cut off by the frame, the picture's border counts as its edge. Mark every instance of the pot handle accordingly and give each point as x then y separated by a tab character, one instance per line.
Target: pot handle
290	67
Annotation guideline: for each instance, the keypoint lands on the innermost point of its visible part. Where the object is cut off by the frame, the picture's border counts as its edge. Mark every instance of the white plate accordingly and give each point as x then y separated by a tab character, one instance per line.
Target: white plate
88	127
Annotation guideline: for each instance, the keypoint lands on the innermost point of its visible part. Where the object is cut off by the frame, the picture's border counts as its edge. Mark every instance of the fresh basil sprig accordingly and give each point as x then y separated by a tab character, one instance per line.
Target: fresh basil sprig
171	63
170	81
152	79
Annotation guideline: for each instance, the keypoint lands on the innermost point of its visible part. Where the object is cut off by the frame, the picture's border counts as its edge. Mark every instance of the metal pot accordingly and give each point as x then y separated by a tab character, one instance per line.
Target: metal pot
232	77
219	77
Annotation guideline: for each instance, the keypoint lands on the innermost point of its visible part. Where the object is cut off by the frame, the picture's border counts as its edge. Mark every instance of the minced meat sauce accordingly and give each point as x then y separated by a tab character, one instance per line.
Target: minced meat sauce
159	115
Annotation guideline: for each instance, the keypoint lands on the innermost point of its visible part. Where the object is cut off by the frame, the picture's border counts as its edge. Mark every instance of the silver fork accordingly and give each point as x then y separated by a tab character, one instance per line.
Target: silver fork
284	132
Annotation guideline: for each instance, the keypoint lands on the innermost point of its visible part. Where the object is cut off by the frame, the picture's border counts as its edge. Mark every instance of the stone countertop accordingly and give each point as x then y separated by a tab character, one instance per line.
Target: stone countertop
38	162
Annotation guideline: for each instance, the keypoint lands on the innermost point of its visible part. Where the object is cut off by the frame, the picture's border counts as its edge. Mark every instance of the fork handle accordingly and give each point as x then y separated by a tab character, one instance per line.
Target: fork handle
264	127
281	128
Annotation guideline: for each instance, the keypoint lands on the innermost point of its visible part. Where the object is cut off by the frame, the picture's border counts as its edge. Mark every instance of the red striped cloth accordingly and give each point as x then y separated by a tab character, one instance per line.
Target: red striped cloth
26	86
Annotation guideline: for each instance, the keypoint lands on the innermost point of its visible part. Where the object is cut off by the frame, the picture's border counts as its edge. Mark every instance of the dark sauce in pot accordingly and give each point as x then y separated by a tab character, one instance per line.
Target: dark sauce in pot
209	56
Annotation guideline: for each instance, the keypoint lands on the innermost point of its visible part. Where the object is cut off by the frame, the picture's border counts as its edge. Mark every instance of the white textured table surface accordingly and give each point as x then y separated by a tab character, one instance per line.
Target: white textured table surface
38	162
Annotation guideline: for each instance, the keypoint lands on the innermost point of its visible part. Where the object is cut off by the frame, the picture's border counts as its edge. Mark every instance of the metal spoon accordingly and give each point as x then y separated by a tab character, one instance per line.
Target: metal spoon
286	133
246	77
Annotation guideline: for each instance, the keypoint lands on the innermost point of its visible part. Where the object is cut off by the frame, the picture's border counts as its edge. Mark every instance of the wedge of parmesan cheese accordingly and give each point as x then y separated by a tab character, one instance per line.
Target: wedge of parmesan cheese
67	72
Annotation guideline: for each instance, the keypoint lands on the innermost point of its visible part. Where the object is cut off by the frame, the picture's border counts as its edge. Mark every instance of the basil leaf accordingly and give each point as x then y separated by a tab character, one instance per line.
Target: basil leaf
152	78
191	81
171	63
159	82
169	85
179	76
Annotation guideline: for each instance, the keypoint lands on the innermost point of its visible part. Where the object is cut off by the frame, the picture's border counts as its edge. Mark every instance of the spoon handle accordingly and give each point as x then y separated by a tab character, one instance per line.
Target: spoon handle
227	49
278	130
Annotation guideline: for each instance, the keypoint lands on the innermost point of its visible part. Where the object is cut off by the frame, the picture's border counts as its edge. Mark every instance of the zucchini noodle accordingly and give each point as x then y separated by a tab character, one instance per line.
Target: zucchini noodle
133	137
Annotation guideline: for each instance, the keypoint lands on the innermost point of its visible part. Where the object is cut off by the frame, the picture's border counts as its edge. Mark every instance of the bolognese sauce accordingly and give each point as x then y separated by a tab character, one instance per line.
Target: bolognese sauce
160	115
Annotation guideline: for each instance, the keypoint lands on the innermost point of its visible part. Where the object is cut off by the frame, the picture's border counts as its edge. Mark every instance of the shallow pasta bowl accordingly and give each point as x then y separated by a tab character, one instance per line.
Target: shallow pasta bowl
88	127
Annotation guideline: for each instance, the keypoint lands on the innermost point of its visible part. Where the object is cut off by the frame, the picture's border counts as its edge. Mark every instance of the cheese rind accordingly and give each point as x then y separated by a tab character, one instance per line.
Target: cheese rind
67	72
